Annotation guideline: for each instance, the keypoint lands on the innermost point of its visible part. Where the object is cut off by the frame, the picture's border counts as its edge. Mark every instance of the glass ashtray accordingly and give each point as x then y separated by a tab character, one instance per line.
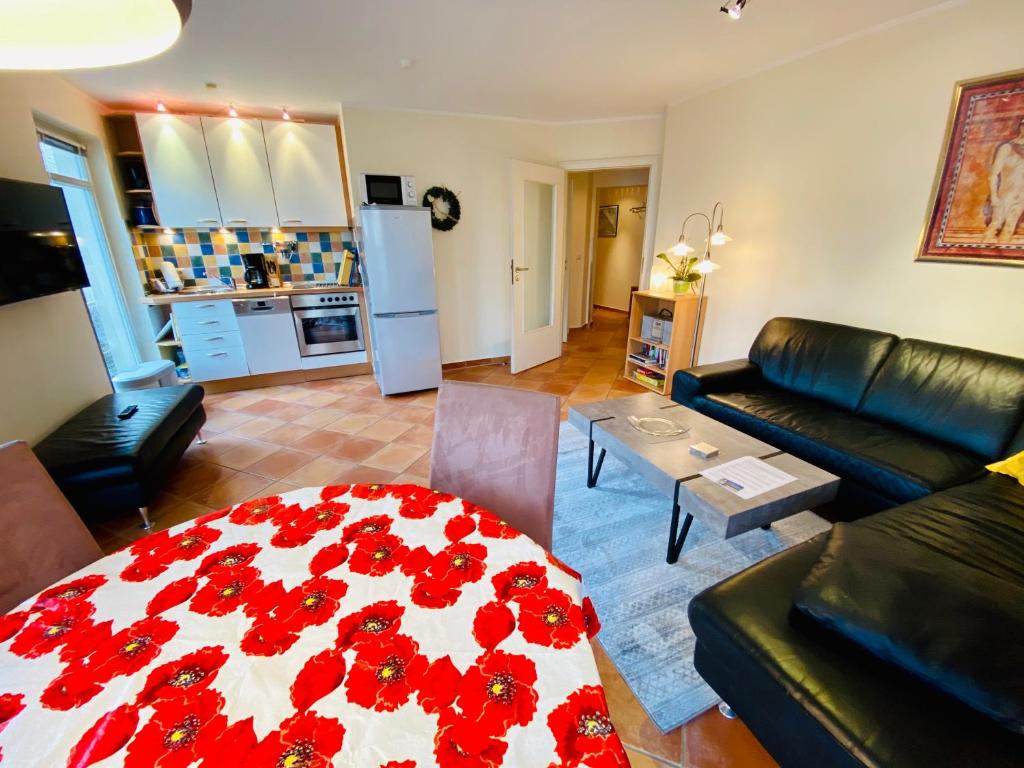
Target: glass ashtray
656	426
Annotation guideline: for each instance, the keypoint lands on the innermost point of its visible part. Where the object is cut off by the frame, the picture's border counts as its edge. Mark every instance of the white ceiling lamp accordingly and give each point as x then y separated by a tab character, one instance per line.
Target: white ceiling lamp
734	8
72	34
232	112
284	114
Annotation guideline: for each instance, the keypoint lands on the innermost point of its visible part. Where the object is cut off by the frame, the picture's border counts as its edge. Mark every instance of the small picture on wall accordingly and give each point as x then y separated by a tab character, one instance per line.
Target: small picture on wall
977	210
608	221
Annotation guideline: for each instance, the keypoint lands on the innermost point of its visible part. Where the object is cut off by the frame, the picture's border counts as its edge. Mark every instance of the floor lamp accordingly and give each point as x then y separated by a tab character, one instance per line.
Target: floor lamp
705	266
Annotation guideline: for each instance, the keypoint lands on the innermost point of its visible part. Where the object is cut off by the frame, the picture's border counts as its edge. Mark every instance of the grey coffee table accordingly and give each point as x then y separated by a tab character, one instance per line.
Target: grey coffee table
669	466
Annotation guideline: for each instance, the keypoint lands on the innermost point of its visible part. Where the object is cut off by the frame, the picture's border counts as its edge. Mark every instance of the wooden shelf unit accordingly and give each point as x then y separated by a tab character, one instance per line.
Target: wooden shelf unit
679	345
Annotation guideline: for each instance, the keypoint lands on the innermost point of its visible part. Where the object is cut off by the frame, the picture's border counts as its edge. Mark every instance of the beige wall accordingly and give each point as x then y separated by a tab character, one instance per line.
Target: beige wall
826	166
579	223
470	156
617	259
52	364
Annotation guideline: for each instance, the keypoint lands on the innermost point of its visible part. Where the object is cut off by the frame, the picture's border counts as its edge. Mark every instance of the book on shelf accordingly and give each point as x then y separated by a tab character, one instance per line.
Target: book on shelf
649	377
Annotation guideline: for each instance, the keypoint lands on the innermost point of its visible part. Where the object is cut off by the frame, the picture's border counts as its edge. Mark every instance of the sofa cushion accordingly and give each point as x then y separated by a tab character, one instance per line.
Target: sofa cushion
815	700
899	465
971	399
830	362
95	444
964	639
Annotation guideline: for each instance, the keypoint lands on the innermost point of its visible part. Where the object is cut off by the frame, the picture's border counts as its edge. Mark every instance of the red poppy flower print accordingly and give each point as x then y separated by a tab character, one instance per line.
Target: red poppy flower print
461	743
174	594
131	649
428	595
458	564
328	558
187	545
438	687
226	591
519	580
266	510
53	628
333	491
377	555
492	624
183	677
372	624
590	619
11	704
311	603
498	692
488	524
368	526
267	638
384	675
212	517
228	559
563	567
79	589
11	624
418	503
71	688
459	527
106	737
402	764
550	618
304	740
319	676
179	732
233	747
309	522
369	492
583	731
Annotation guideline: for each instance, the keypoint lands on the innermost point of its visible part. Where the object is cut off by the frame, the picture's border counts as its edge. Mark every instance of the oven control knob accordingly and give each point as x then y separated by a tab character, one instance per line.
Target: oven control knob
321	299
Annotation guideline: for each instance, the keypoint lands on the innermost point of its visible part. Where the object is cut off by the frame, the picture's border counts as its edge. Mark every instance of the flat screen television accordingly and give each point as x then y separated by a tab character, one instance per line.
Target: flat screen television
38	250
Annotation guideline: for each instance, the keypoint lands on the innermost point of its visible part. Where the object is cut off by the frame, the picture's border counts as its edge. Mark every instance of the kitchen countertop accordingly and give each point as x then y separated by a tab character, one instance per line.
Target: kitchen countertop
159	299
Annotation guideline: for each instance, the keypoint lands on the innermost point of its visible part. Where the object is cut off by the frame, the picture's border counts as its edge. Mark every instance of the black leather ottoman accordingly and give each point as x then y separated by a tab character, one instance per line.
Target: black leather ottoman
103	463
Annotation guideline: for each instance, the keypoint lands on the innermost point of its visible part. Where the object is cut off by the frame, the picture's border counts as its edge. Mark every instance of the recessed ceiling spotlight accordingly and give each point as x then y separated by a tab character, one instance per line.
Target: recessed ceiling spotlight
405	63
70	34
734	8
232	112
160	106
284	114
211	86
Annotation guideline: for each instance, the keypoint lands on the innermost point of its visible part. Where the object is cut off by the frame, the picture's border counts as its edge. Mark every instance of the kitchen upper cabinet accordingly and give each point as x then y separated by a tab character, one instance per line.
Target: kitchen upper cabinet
179	170
241	172
306	169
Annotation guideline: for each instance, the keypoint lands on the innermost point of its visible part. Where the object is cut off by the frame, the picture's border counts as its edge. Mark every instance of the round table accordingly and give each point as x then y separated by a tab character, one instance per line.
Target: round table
367	626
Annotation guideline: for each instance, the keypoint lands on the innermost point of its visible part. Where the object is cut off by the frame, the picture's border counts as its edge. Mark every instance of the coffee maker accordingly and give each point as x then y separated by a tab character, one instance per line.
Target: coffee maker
255	270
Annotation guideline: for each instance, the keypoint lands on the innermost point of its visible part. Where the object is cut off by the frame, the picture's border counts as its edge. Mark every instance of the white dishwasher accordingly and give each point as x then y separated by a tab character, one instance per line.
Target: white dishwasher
268	335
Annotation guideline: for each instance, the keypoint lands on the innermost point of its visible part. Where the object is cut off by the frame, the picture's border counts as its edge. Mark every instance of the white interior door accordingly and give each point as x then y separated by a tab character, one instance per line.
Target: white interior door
537	266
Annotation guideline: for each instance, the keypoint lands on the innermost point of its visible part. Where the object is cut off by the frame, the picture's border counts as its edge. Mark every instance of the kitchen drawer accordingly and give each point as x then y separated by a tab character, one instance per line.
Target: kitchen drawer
218	363
205	316
211	340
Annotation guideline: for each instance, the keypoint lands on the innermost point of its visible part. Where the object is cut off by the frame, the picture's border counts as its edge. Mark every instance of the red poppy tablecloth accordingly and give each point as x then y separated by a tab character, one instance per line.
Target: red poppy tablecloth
363	626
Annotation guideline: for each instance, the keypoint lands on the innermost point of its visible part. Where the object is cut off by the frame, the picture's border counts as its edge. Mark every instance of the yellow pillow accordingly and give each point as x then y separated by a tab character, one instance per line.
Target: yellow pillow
1013	466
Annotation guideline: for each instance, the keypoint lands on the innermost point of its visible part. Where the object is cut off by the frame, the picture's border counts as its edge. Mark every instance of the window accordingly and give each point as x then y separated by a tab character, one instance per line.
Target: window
68	168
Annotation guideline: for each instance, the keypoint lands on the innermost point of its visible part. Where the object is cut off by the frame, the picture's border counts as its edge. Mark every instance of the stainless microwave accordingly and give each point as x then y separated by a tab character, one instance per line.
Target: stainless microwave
380	189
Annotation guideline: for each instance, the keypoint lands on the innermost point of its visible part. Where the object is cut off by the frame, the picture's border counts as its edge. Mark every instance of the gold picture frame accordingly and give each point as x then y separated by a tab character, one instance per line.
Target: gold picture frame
976	210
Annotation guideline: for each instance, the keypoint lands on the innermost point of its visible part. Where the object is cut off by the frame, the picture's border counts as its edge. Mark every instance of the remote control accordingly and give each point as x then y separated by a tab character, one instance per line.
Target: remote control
128	412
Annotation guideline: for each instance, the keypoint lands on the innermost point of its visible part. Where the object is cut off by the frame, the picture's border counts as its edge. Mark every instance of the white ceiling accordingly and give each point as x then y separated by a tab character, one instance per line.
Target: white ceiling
555	60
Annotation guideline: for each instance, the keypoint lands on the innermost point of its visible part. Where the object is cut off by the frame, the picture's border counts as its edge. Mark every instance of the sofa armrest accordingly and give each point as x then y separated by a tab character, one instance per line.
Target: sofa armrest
729	376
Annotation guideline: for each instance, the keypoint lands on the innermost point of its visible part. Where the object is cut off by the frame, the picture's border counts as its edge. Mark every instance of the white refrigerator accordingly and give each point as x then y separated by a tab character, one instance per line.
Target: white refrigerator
398	279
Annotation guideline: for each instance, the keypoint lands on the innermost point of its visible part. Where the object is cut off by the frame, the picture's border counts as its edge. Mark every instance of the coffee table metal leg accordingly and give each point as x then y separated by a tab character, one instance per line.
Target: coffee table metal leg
675	542
592	472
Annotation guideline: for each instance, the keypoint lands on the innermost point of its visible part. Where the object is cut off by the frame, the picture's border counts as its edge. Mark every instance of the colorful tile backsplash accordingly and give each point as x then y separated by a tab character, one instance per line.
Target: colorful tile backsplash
202	255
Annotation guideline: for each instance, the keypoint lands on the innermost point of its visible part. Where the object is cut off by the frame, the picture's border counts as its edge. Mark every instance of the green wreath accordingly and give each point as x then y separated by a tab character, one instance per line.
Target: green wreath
445	210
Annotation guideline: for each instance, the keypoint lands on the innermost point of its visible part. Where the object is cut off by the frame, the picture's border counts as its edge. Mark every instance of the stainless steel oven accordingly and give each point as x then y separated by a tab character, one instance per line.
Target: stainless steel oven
328	323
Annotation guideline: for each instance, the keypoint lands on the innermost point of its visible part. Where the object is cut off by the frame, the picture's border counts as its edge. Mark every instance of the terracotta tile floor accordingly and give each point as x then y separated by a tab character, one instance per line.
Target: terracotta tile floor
267	441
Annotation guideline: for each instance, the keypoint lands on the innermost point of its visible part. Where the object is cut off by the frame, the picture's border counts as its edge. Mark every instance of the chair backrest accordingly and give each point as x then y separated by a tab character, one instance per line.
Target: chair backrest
44	539
831	362
497	447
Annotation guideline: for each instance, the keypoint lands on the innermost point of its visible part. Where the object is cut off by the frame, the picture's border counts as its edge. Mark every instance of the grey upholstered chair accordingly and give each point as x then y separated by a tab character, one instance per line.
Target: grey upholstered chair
497	447
44	539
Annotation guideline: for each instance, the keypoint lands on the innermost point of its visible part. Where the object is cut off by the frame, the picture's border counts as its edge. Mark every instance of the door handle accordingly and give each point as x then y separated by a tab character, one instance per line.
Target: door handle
516	270
214	338
210	322
522	269
217	354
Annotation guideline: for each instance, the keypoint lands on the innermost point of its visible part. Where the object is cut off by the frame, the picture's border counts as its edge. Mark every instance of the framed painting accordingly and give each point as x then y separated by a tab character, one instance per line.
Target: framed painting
977	206
608	221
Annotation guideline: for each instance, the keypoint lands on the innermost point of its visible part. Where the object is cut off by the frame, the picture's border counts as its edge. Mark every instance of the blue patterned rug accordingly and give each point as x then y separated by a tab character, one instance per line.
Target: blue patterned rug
616	535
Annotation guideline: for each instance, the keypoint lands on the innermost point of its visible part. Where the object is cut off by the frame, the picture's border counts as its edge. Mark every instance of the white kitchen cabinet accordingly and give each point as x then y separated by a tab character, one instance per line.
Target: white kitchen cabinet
241	172
306	170
179	170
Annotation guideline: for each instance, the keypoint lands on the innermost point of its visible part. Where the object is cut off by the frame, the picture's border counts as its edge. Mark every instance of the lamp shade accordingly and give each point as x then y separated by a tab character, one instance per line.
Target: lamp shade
706	267
680	249
720	238
74	34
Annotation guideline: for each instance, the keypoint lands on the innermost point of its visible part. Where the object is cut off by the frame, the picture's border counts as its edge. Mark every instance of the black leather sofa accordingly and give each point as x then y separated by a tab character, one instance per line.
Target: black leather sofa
900	421
105	464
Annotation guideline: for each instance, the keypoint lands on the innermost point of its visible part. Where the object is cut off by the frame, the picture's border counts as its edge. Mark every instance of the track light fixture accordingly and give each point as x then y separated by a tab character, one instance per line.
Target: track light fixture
734	8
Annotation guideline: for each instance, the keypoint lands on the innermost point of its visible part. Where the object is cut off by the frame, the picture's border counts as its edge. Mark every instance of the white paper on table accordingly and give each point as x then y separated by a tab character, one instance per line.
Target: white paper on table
752	476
